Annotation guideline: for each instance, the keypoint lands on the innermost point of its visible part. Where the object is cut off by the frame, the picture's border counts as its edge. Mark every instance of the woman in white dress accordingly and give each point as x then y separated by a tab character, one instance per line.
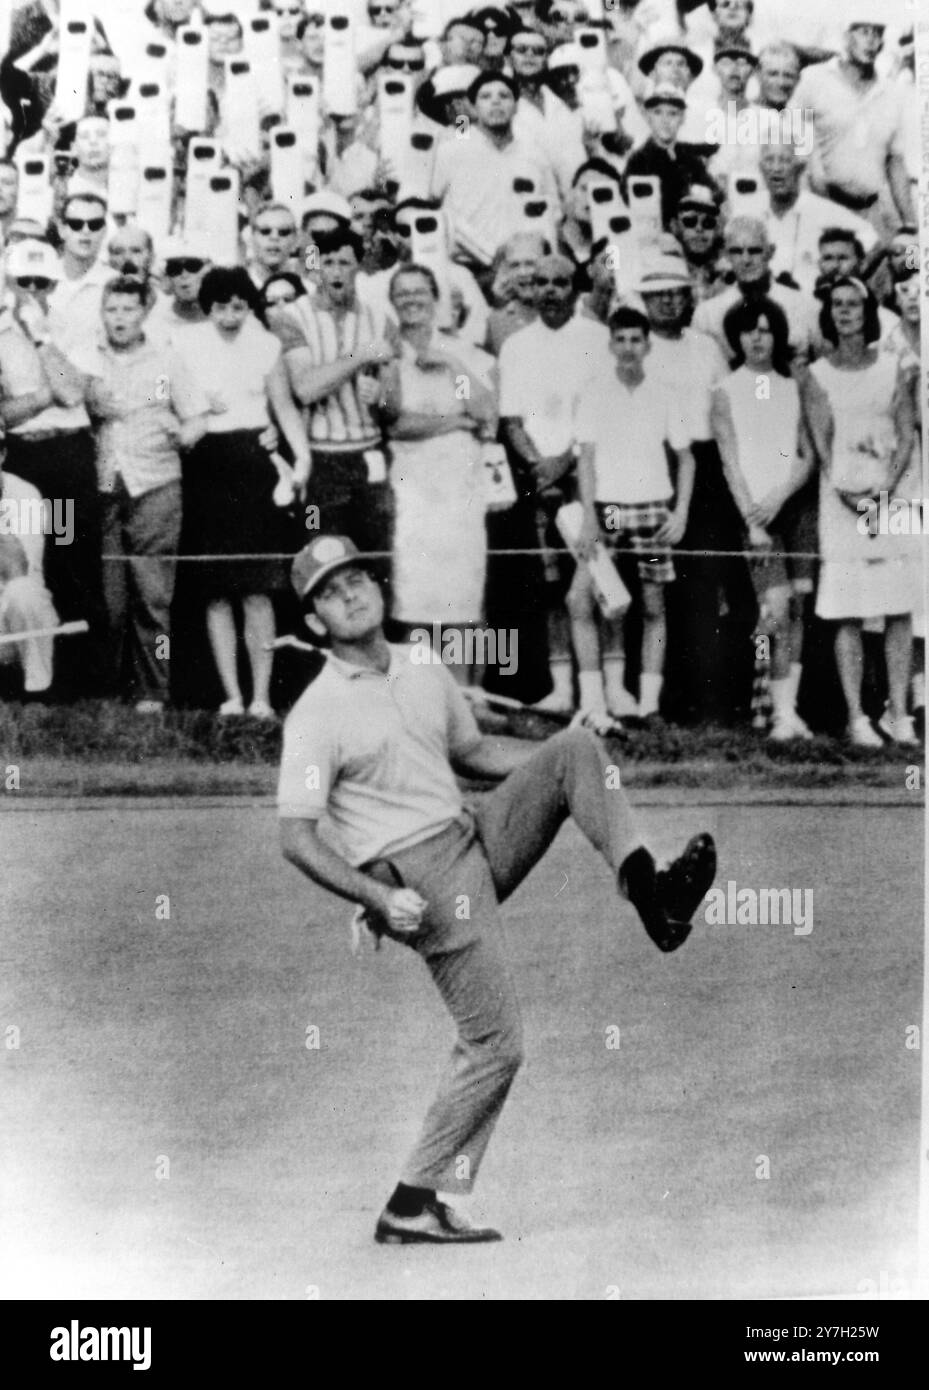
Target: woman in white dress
860	415
439	405
766	461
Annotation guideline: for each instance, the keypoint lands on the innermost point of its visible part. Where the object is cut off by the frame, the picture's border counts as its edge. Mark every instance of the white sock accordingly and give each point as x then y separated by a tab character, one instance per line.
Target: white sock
561	677
782	697
918	690
591	684
796	671
650	688
618	698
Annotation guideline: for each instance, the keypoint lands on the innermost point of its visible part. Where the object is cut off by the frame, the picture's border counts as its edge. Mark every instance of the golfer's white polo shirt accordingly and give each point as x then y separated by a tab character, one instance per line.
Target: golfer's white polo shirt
370	753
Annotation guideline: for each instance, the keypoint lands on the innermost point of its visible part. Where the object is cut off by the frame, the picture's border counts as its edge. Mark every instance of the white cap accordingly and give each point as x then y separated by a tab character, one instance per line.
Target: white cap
32	257
566	55
325	201
867	12
455	79
173	247
665	272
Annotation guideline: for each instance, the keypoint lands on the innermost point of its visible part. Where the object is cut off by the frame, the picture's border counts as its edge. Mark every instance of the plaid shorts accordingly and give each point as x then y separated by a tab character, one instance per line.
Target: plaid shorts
630	526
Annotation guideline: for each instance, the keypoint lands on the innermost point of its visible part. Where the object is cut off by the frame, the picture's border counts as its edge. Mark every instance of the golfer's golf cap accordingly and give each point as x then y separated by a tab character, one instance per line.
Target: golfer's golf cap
321	558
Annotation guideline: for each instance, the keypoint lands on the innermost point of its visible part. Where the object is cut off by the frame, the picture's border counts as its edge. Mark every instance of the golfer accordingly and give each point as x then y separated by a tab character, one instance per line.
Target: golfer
370	809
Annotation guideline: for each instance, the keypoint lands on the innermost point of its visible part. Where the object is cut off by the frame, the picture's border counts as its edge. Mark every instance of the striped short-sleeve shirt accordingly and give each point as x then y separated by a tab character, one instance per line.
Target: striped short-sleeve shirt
339	422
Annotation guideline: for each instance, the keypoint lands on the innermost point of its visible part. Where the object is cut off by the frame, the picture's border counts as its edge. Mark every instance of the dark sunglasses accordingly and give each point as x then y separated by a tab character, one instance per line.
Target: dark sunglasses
183	265
540	49
381	9
406	64
276	231
93	224
317	20
692	220
33	282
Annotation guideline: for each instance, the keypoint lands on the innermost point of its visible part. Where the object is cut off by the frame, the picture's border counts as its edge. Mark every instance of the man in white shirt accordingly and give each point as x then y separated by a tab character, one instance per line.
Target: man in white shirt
858	118
543	369
749	250
74	304
541	117
477	176
691	365
796	217
624	421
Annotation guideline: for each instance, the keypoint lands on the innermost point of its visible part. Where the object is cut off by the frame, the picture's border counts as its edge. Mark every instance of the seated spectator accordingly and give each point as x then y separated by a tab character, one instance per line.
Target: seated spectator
860	415
576	233
462	308
25	603
515	268
661	156
778	74
233	366
541	116
624	421
734	64
697	226
273	242
477	178
91	151
767	460
601	299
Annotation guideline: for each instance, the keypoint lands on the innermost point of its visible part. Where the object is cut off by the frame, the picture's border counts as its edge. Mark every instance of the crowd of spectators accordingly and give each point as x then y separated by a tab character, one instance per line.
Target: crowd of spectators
436	278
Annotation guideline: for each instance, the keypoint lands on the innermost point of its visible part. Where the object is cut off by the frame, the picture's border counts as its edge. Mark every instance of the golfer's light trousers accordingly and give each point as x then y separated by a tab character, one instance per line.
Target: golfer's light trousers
464	873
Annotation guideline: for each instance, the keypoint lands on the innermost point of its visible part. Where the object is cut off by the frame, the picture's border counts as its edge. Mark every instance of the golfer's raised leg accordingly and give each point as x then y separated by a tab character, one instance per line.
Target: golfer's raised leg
576	774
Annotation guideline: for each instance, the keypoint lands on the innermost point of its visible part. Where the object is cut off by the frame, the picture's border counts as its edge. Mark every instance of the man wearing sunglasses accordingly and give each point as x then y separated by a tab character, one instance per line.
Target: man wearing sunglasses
697	226
49	445
273	242
541	116
75	302
185	265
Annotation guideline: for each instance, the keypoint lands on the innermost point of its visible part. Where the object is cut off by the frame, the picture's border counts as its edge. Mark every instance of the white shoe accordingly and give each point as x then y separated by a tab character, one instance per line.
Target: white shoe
553	704
786	727
899	729
260	709
863	734
150	707
233	706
